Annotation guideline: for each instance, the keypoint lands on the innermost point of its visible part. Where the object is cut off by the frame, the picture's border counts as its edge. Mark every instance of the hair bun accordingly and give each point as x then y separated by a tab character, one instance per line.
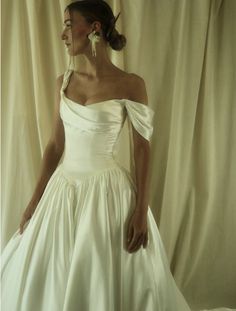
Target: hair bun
116	41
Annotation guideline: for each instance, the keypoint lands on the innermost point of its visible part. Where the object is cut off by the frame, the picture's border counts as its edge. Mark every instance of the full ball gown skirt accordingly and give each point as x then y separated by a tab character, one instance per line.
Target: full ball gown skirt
71	255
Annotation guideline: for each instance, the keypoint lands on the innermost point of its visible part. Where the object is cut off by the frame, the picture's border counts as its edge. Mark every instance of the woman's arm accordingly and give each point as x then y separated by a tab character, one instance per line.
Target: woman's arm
137	233
142	160
54	148
141	149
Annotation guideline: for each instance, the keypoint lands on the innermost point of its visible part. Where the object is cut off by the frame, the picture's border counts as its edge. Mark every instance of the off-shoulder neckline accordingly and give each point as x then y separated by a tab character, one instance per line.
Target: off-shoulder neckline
114	100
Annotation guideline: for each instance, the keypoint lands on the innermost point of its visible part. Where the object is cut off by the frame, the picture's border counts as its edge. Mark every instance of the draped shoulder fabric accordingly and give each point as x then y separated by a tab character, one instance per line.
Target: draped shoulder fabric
73	252
140	115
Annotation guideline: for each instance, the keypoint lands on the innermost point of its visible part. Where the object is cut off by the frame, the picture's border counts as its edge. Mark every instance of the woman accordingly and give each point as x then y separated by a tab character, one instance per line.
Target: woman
87	240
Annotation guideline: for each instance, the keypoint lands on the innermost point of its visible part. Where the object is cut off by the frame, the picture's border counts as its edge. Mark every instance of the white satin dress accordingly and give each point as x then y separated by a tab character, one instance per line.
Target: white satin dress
71	255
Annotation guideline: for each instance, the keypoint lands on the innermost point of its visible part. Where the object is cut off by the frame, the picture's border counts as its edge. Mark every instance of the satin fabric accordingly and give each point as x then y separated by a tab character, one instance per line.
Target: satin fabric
71	255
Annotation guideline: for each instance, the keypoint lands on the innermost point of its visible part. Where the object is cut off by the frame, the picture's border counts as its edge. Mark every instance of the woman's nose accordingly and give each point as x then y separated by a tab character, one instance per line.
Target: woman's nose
63	35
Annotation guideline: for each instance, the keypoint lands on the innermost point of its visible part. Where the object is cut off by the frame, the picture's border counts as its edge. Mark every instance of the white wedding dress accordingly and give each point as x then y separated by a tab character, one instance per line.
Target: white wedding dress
71	255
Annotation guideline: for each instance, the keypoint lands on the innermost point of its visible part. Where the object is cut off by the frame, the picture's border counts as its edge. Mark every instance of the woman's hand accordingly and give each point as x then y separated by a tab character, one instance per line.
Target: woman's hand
28	213
137	231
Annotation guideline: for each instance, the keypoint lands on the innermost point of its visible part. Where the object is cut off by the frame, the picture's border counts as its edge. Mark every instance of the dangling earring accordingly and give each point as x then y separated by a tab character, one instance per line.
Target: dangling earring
94	37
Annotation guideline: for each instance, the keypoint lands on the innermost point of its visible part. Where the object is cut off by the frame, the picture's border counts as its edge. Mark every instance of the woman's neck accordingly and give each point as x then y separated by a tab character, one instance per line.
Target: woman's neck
94	67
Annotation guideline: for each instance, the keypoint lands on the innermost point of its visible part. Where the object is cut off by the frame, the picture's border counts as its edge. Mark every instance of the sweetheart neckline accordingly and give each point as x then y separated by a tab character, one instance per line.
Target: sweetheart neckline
96	103
115	100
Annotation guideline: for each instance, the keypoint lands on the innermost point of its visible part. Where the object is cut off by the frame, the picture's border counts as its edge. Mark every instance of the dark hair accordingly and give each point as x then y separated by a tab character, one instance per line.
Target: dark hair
99	10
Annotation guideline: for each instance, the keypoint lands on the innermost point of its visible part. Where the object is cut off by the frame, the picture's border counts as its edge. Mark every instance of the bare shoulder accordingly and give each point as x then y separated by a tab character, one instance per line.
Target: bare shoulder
58	86
137	88
59	80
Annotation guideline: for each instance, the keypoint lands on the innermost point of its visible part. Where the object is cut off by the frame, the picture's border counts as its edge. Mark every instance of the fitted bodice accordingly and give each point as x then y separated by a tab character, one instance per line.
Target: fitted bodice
91	131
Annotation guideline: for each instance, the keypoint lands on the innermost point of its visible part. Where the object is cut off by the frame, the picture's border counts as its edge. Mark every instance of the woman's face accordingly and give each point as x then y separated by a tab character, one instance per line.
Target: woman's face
76	28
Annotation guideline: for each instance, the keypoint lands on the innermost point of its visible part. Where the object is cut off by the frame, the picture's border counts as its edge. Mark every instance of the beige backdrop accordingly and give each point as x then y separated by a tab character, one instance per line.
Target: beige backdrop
185	50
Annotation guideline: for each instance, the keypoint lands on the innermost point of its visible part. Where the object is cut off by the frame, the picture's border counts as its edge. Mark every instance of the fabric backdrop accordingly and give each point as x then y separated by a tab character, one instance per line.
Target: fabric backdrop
185	51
